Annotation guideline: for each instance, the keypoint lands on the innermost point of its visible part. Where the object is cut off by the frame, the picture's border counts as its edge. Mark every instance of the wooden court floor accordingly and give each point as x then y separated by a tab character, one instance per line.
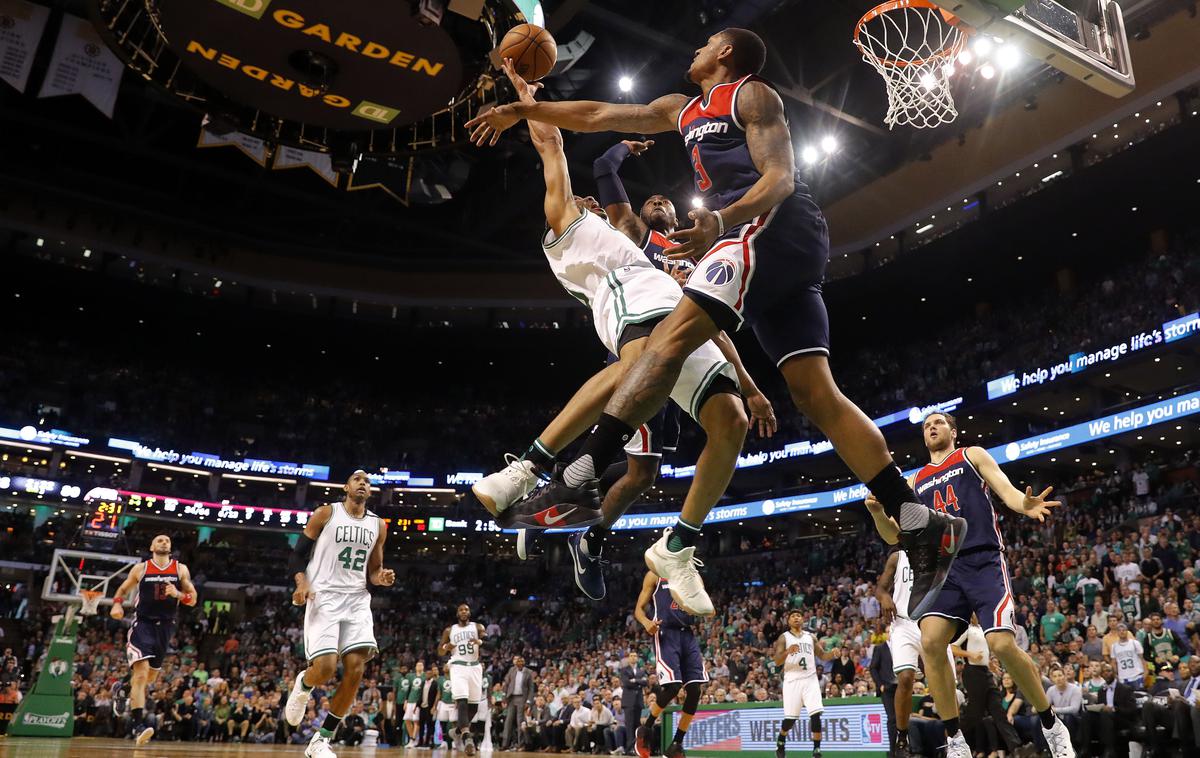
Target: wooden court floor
91	747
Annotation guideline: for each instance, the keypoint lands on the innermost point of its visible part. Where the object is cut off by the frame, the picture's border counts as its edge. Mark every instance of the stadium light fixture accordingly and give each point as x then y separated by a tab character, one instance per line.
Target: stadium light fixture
697	201
929	81
625	83
965	57
983	46
829	144
987	71
1008	57
809	155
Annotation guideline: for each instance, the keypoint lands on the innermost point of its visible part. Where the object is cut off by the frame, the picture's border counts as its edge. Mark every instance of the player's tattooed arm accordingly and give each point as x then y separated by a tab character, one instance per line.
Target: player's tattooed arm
639	610
883	588
1034	506
781	651
446	647
131	581
821	653
661	115
376	573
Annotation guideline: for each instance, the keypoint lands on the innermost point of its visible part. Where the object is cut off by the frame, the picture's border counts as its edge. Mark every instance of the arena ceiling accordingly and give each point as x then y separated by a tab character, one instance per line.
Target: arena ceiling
144	164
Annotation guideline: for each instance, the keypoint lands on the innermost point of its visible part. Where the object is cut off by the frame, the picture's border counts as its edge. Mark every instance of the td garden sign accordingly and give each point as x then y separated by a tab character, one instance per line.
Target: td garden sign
346	65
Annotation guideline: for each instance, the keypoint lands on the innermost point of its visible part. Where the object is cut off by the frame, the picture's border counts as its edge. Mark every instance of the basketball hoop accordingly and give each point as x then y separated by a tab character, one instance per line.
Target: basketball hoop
913	45
91	602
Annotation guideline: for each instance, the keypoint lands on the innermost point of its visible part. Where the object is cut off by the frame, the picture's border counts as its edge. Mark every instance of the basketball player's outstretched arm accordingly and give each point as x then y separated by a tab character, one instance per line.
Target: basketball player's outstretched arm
131	581
661	115
611	193
1027	503
639	610
883	588
298	561
376	573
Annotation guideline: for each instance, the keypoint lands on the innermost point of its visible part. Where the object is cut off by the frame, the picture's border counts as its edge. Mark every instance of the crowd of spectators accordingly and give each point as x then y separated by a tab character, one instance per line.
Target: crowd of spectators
1119	561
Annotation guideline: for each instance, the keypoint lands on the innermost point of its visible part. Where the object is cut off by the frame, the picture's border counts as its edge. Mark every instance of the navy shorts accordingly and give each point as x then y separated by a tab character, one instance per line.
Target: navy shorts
978	583
148	640
768	273
677	657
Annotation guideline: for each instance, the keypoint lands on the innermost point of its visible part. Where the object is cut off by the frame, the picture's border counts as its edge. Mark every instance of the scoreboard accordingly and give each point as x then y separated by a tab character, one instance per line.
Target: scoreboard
102	528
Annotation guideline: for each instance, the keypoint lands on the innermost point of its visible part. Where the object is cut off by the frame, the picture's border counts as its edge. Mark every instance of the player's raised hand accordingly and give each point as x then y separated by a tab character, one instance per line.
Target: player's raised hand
762	415
384	577
487	126
526	92
637	148
695	241
1037	506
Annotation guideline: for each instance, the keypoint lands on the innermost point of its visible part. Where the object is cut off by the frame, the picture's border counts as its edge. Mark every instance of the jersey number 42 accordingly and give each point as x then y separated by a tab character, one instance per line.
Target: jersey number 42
351	559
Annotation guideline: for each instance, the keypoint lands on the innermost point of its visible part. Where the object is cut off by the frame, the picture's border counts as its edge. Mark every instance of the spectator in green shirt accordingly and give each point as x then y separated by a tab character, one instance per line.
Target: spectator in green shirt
1052	622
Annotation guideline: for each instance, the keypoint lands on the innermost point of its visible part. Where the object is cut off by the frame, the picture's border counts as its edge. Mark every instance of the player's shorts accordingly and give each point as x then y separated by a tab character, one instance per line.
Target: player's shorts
149	639
904	640
660	434
978	583
411	712
677	657
466	682
801	692
447	712
768	273
337	622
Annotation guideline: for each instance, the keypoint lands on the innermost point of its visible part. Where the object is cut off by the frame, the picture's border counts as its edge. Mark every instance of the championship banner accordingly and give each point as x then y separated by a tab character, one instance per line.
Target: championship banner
388	174
83	65
291	157
48	709
252	147
21	27
852	727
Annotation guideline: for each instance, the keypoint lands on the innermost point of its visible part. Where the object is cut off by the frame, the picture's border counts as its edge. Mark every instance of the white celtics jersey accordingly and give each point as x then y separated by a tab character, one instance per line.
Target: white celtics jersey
465	639
803	663
1128	657
339	559
587	252
902	585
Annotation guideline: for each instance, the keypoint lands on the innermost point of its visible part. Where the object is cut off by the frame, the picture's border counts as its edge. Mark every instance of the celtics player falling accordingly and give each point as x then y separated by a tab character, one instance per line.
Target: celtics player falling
332	583
462	641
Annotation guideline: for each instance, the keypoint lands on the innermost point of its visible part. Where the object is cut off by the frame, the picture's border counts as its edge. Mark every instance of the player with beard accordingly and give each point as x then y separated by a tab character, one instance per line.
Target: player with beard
962	481
628	293
346	543
163	583
763	253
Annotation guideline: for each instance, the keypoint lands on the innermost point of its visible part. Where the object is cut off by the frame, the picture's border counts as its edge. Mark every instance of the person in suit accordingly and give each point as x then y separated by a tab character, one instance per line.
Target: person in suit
1114	712
1174	717
884	678
518	683
430	694
534	731
633	681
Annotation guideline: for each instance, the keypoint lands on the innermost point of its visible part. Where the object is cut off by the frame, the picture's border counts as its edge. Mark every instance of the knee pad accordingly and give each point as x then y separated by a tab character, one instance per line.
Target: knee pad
788	724
814	722
669	692
692	699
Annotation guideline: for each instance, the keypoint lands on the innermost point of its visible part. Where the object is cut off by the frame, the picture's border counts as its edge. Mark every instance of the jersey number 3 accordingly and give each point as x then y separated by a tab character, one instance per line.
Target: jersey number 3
944	504
703	183
352	560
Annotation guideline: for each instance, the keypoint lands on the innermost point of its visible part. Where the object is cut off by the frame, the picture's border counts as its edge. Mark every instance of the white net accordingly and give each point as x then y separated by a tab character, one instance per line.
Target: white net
90	602
914	46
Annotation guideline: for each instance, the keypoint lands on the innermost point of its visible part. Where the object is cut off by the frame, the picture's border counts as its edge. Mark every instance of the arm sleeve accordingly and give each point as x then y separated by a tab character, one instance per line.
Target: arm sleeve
609	190
298	560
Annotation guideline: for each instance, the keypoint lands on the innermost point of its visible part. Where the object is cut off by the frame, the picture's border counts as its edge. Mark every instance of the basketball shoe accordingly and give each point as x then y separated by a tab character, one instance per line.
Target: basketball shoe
957	747
1058	738
555	506
318	747
931	552
293	710
679	569
499	490
588	569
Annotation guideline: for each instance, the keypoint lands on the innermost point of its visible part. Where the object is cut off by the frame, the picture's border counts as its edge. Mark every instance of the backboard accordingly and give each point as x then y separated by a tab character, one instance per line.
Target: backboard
1091	46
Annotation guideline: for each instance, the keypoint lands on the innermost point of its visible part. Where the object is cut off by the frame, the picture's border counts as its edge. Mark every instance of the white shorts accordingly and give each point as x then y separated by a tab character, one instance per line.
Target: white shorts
411	712
638	294
801	692
447	712
335	622
904	640
466	682
643	443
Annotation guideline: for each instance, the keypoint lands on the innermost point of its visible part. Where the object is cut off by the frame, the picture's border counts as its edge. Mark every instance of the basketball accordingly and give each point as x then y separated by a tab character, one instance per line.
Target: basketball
532	50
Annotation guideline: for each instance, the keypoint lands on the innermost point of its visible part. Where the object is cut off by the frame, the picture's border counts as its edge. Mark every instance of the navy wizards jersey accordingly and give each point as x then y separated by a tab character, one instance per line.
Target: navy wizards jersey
716	144
954	487
666	611
152	599
653	248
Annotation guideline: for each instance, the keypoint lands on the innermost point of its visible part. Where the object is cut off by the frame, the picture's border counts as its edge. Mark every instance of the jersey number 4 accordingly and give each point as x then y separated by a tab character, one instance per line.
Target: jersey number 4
351	559
944	504
703	183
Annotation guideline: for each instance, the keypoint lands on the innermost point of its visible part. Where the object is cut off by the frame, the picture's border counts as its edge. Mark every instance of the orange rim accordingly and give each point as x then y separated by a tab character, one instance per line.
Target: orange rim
892	5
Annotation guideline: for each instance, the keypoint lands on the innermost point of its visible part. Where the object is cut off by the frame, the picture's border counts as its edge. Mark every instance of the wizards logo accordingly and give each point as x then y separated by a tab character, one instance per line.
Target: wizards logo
719	273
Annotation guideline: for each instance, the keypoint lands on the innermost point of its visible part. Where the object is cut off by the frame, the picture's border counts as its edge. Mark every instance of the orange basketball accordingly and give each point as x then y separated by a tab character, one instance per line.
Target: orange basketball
532	49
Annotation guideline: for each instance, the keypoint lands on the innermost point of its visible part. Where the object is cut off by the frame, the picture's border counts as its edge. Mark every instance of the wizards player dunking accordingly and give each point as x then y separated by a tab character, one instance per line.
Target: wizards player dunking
162	584
763	252
677	658
961	481
346	544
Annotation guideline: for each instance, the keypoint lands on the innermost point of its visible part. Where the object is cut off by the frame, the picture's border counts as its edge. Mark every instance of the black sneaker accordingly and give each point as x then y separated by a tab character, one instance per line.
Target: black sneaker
674	750
931	552
816	754
780	751
588	570
902	749
469	745
554	506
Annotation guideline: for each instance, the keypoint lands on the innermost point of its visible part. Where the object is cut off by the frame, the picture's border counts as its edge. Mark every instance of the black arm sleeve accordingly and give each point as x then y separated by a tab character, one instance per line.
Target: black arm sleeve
298	560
